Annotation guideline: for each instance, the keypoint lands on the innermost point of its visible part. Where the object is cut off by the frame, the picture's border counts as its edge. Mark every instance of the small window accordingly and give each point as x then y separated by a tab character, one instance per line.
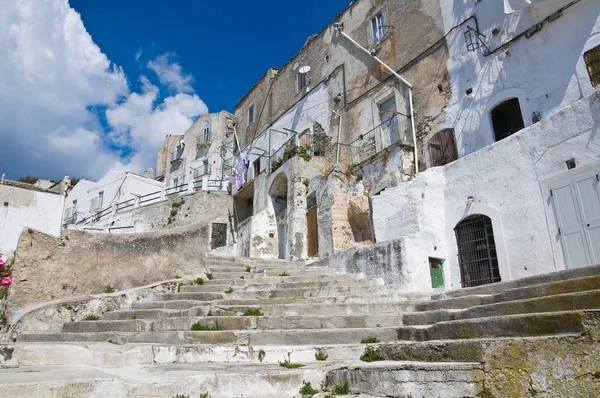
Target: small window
507	119
377	28
251	114
592	61
442	148
300	81
175	181
100	199
207	134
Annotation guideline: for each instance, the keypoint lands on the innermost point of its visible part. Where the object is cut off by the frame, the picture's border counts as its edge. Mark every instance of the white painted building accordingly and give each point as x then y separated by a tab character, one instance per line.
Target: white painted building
25	206
202	158
89	201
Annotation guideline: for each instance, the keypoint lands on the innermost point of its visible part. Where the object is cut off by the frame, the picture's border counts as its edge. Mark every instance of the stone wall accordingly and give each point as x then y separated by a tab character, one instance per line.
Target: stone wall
80	263
176	211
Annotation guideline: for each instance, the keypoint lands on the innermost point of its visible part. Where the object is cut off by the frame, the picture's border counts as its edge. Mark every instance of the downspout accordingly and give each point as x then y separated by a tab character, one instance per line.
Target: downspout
337	156
340	28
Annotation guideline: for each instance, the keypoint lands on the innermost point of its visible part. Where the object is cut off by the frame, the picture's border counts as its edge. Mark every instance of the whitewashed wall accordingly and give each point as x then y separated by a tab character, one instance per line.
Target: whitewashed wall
27	208
545	72
508	182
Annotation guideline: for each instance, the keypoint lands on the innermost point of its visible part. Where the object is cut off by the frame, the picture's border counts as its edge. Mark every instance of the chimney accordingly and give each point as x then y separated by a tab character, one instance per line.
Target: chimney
149	173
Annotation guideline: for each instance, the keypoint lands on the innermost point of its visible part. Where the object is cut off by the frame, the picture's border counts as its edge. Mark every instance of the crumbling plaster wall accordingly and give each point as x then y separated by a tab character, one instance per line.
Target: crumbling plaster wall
414	46
80	263
27	208
508	182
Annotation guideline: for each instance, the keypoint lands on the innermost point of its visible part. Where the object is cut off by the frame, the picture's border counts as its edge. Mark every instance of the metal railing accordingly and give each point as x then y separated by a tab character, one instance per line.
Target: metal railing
202	171
70	215
300	144
176	189
125	204
150	197
176	155
96	203
393	130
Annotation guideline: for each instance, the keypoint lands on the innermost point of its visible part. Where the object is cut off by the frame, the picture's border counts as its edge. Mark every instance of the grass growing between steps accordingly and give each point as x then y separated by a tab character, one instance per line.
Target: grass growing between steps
307	391
253	312
197	327
210	277
229	290
287	363
341	389
199	281
370	340
371	356
321	356
284	273
248	268
91	318
109	289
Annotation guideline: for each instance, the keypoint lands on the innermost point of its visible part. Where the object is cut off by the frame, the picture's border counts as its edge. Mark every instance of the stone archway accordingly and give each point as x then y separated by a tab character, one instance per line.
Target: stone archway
279	198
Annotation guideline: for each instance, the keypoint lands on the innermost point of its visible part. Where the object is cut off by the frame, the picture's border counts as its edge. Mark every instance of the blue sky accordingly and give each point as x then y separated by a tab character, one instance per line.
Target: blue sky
94	85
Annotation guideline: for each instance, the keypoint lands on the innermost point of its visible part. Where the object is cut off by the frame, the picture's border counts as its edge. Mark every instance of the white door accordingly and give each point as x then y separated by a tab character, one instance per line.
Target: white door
389	124
577	208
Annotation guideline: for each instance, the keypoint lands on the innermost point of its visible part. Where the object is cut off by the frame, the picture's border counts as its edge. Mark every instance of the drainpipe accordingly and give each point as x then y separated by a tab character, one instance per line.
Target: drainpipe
340	29
337	156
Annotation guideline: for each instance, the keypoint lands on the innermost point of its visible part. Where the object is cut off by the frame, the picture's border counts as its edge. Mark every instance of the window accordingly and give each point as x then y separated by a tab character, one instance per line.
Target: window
507	118
175	181
218	237
100	199
251	114
207	134
300	81
256	166
377	28
442	148
592	61
477	251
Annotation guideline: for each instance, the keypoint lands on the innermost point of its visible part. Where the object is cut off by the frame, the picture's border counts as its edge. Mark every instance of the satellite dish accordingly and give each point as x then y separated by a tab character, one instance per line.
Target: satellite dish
304	69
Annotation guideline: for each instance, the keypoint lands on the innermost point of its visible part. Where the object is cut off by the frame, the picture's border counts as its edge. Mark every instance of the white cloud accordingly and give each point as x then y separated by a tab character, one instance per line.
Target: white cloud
53	80
170	74
138	54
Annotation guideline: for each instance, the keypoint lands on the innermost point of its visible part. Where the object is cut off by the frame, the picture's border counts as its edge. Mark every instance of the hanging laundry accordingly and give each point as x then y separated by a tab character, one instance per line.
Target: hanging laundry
240	179
247	162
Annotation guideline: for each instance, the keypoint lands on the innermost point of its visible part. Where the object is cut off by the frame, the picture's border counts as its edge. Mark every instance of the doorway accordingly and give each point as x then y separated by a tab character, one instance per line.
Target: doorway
312	225
576	204
279	199
507	118
477	255
389	123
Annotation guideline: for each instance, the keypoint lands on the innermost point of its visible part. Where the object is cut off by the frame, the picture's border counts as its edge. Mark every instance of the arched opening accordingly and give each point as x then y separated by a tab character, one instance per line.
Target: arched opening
279	194
477	255
507	118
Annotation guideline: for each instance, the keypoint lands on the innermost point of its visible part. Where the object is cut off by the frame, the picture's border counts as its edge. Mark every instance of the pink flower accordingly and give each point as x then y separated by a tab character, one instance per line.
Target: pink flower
7	281
2	264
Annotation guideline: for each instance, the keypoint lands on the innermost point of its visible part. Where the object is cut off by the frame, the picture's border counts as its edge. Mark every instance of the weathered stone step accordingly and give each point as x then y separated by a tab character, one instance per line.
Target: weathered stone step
166	380
315	337
495	288
168	309
520	293
237	323
107	355
411	379
218	274
557	303
263	283
537	324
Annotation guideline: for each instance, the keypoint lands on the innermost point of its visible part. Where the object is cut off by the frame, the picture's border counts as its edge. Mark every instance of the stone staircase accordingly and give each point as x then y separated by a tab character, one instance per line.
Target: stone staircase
254	314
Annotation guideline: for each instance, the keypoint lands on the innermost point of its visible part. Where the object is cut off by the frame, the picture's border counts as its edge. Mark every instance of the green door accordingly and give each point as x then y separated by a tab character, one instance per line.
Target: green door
437	272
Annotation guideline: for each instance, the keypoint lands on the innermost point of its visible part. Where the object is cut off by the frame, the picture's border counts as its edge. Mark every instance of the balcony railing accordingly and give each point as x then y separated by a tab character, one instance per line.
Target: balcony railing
202	171
306	145
395	129
176	157
70	215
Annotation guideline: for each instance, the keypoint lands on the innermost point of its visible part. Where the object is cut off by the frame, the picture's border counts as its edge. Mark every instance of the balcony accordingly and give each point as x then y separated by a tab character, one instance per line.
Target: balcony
304	145
393	130
177	156
202	171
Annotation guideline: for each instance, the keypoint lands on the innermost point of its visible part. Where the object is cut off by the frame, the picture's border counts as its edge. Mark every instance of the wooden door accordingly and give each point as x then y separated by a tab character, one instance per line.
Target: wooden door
313	233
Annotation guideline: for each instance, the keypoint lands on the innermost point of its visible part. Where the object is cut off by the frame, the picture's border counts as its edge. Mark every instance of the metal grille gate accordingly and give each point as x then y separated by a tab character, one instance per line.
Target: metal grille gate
477	251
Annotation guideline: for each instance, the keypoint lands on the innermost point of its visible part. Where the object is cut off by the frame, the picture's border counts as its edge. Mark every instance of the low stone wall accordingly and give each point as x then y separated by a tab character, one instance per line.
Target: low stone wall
381	260
80	263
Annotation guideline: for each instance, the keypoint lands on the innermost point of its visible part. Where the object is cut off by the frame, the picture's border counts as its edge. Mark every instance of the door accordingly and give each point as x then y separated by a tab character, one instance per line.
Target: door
577	208
313	234
389	124
437	272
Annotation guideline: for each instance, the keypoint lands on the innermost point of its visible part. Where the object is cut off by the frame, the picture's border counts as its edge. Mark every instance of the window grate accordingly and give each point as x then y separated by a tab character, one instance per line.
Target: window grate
592	61
477	255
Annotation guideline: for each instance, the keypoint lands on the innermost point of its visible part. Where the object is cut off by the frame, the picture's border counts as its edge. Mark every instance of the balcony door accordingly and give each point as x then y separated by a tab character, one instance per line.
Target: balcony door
388	123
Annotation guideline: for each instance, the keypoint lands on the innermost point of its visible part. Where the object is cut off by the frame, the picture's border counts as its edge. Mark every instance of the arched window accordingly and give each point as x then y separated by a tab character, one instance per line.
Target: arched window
477	251
507	118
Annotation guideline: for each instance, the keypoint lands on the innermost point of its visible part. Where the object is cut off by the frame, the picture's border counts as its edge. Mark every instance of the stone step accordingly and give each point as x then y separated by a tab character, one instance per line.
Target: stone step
237	323
255	283
410	379
557	303
519	293
496	288
165	380
108	355
314	337
537	324
169	309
